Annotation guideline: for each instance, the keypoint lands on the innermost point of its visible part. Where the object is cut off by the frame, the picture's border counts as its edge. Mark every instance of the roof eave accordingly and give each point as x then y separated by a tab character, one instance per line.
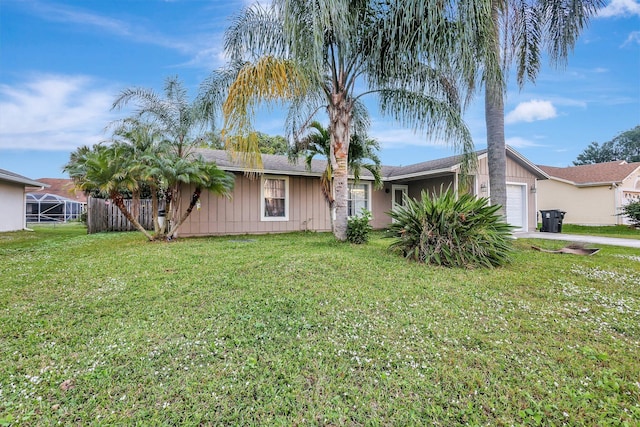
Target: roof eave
392	178
24	181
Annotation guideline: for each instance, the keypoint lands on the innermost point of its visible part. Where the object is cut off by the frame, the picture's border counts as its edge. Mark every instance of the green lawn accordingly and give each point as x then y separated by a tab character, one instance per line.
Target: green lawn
608	231
297	329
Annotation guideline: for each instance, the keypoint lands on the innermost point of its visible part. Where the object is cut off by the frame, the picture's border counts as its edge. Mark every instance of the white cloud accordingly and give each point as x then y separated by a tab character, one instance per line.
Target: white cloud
531	111
54	112
196	46
620	8
519	142
634	38
391	136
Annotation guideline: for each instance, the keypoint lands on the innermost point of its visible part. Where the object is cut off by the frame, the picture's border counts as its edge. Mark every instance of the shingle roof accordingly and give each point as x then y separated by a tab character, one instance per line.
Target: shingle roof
444	164
271	163
62	187
280	164
9	176
599	173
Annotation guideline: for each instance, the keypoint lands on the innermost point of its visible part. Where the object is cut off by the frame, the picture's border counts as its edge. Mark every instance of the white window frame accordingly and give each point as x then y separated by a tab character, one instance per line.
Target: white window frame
368	198
263	217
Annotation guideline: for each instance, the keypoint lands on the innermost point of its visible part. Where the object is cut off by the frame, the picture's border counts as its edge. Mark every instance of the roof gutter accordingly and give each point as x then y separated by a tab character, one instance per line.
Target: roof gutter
424	174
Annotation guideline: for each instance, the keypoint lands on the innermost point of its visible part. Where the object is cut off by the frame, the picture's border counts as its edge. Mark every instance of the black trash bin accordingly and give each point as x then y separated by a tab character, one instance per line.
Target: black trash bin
552	220
560	222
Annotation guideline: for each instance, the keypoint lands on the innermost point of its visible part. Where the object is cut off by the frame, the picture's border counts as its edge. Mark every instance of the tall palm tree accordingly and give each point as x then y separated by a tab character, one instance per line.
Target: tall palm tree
361	149
182	125
419	57
522	30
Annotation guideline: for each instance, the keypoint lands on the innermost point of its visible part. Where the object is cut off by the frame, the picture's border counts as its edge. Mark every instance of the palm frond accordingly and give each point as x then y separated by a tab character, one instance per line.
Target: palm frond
268	80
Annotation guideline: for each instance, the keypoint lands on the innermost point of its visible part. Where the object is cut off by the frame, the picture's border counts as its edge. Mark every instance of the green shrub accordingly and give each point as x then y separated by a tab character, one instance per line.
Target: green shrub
358	227
443	230
632	211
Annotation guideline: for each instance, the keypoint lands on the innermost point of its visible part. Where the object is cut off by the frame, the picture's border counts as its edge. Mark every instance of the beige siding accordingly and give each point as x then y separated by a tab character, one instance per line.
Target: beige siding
12	200
241	213
585	206
309	211
515	174
380	205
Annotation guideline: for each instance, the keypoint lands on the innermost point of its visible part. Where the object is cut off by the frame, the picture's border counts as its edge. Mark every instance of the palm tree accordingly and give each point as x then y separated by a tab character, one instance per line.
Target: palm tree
146	144
182	125
110	171
526	29
176	172
419	57
318	142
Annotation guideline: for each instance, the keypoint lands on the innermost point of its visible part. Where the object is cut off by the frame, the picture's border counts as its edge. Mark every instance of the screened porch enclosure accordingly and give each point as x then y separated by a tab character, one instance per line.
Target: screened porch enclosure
52	208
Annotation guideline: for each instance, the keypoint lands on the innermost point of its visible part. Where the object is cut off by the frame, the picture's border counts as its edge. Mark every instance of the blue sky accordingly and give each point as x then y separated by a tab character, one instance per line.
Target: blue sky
62	63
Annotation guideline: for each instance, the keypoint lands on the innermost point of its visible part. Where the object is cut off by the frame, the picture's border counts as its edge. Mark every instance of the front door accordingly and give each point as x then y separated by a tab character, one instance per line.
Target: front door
398	195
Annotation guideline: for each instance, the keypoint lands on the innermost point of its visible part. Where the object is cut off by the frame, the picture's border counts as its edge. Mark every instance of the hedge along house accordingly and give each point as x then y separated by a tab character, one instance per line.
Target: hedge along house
13	189
591	194
286	197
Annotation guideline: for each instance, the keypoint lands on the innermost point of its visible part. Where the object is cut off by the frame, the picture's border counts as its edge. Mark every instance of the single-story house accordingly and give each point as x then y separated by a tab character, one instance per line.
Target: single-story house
60	202
285	197
12	199
590	194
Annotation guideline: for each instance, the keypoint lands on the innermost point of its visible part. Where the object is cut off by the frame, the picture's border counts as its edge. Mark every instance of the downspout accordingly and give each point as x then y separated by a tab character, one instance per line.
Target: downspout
456	183
616	207
24	209
535	205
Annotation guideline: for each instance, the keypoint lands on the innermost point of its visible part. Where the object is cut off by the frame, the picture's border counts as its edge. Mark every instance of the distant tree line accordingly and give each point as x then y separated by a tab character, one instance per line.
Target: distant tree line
625	146
266	143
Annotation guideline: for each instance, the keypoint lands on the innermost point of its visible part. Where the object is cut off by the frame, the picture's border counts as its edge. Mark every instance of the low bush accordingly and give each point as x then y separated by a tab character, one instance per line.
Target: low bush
452	232
358	227
632	211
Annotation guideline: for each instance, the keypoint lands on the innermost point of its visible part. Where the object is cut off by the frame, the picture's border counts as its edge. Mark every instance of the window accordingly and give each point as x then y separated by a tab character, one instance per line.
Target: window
358	198
275	198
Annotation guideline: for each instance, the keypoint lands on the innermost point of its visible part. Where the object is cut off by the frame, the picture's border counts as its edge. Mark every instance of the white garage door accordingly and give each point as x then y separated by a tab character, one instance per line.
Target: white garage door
516	206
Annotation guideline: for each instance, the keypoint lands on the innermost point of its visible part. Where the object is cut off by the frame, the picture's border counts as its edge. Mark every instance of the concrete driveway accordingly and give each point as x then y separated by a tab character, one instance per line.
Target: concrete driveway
599	240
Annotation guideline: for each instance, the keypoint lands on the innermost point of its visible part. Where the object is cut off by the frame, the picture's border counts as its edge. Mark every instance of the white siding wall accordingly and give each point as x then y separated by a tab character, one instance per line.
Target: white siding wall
12	206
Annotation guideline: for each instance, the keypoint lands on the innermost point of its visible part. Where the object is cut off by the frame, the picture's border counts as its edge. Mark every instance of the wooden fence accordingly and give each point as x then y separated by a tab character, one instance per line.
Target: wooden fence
104	215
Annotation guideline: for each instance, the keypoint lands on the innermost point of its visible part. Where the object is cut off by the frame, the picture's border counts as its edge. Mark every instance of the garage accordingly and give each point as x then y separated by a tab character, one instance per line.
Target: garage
517	206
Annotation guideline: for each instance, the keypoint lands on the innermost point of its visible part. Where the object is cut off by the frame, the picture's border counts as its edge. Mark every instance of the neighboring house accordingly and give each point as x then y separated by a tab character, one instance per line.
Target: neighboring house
60	202
590	194
12	200
286	197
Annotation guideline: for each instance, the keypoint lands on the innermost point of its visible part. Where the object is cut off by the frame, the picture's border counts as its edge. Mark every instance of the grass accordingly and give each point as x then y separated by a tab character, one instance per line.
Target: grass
297	329
606	231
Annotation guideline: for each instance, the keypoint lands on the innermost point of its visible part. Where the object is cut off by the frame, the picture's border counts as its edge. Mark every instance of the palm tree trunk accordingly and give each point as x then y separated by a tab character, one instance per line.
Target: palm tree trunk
194	200
155	209
494	117
119	202
340	183
168	210
340	116
135	204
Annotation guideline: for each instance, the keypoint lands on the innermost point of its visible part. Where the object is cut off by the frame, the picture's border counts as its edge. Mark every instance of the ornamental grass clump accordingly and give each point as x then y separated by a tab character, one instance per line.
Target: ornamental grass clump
451	232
